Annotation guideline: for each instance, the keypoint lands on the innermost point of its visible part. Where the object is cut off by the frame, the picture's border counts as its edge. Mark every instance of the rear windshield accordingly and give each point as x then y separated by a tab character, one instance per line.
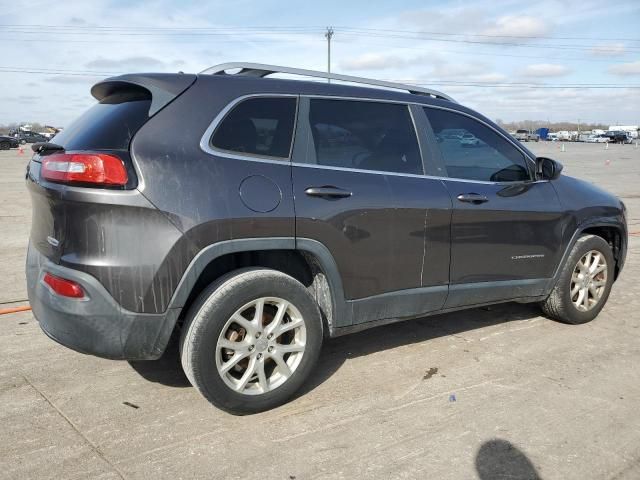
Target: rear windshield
109	124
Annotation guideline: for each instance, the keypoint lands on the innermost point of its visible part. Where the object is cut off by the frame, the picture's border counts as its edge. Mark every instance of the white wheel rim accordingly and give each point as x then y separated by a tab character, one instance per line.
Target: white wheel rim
261	346
588	280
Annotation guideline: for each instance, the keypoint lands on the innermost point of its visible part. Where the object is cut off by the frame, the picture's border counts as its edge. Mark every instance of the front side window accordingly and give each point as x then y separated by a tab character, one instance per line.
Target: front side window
258	126
473	151
364	135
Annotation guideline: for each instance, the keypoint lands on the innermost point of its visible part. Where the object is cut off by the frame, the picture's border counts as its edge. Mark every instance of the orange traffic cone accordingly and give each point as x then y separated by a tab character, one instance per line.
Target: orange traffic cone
20	150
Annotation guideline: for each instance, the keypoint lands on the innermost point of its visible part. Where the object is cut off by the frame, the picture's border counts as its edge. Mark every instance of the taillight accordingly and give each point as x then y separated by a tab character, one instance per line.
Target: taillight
92	168
64	287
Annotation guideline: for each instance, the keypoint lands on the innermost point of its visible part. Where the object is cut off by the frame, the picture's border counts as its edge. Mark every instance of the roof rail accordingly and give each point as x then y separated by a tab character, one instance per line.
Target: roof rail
262	70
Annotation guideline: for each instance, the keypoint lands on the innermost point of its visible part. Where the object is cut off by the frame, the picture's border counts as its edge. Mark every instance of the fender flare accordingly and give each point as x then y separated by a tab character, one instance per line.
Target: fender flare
597	222
216	250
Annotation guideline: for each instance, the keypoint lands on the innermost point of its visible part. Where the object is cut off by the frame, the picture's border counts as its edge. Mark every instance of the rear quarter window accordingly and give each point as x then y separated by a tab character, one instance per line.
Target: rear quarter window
260	126
109	124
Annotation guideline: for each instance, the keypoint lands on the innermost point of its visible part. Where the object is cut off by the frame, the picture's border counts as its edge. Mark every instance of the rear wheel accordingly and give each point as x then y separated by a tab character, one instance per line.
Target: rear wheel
5	145
251	339
584	283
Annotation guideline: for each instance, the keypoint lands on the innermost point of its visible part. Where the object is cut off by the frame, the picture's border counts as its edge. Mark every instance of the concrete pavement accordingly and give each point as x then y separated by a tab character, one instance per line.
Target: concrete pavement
486	393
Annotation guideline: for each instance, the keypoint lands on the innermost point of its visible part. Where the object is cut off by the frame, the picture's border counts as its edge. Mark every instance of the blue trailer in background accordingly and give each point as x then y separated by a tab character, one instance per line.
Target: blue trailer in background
543	132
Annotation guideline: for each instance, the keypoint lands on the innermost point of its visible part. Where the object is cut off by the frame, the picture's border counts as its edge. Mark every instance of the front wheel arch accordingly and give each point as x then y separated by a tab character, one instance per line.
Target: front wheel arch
560	304
610	231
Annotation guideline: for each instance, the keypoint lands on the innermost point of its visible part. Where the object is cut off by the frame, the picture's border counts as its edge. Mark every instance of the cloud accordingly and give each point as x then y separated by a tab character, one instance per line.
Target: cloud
518	26
541	70
461	70
125	64
625	69
464	19
608	49
374	61
489	78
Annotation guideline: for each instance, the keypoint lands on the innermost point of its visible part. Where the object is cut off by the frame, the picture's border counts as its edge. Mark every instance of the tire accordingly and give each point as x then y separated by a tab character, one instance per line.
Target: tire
5	145
23	142
209	323
560	303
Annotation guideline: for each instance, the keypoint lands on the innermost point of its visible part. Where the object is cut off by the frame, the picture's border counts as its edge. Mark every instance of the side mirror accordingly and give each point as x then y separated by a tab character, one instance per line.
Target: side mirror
547	168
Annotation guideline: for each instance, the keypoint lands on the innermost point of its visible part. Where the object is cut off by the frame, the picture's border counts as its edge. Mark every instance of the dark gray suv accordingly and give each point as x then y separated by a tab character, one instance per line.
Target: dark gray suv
255	216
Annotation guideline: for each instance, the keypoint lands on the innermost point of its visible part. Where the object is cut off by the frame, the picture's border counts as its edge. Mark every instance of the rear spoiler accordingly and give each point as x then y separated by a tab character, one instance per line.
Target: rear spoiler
163	87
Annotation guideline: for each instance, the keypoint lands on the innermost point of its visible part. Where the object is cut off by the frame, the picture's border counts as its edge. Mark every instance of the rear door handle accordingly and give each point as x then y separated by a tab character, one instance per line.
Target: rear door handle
327	192
474	198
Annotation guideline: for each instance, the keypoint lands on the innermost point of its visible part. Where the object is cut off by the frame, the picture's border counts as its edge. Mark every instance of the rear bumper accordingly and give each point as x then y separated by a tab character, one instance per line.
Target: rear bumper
96	325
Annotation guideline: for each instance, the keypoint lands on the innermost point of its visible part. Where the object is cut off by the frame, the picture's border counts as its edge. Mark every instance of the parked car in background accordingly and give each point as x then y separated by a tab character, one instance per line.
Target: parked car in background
254	217
470	140
526	136
597	139
7	142
617	136
522	135
31	137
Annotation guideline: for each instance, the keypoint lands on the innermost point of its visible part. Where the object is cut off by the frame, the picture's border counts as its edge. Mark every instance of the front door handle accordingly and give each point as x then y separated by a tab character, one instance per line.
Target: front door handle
327	192
474	198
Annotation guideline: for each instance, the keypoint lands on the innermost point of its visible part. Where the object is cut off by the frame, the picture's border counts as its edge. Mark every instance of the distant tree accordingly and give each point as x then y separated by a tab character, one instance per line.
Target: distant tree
553	126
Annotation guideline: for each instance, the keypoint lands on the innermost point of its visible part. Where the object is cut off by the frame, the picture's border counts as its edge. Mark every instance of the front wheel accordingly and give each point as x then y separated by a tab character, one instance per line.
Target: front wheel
584	283
251	339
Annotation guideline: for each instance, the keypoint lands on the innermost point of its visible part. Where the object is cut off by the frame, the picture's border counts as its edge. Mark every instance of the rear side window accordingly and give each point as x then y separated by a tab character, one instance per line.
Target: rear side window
109	124
258	126
473	151
364	135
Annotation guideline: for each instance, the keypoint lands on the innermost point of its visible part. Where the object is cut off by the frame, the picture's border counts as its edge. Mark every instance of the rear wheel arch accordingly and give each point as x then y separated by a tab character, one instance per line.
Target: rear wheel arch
250	343
311	264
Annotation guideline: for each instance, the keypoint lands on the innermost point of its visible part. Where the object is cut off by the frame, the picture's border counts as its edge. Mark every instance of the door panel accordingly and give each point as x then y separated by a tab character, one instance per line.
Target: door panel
390	236
506	229
387	231
421	220
355	229
514	235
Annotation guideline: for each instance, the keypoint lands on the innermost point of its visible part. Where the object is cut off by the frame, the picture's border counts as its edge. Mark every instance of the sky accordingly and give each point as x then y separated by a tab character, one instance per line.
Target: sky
511	60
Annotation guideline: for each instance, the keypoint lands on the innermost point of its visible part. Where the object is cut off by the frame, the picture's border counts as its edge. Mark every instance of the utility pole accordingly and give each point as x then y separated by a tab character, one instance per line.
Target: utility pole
328	35
578	129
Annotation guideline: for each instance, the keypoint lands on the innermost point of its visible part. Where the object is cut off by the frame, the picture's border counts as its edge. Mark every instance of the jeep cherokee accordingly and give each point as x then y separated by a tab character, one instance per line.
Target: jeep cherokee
256	216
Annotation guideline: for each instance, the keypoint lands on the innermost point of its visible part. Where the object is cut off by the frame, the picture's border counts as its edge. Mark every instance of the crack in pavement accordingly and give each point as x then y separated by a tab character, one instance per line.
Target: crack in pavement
93	446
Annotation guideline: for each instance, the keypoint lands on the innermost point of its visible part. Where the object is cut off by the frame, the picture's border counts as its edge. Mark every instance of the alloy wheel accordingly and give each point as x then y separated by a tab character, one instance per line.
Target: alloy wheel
588	280
261	346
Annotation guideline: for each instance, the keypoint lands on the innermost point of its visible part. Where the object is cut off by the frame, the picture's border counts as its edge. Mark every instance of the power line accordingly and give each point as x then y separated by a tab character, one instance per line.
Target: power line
268	31
271	28
481	42
534	84
528	37
493	54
